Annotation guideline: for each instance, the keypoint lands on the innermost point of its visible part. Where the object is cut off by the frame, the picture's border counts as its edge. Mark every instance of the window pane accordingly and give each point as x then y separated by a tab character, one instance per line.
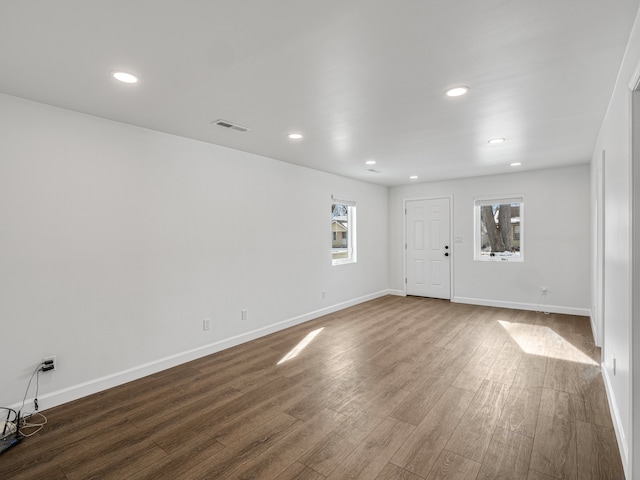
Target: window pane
500	225
342	233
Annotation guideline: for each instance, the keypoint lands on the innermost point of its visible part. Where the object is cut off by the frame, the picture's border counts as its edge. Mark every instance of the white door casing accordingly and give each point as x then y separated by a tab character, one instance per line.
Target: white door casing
428	248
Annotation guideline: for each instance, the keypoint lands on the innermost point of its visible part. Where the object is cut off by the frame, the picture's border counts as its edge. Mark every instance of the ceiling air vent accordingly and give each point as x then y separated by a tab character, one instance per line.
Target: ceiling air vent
231	126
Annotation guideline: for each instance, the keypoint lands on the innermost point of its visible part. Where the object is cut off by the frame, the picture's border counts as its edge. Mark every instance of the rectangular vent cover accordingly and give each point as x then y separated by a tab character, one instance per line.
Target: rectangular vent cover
230	125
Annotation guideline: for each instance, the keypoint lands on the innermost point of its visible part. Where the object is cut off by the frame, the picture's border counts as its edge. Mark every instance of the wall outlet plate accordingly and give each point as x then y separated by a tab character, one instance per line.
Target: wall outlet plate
52	358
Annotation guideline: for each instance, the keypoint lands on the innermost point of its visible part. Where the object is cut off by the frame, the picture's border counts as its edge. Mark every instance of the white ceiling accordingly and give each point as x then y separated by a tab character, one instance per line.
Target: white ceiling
361	79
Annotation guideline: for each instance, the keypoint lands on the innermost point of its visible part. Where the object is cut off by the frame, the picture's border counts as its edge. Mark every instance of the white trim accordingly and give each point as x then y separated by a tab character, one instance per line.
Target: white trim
633	465
634	82
404	246
493	199
598	314
452	248
397	293
617	426
81	390
583	312
592	321
340	200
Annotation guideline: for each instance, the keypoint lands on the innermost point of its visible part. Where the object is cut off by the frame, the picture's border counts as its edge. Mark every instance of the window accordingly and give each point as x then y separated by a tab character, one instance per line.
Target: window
499	228
343	230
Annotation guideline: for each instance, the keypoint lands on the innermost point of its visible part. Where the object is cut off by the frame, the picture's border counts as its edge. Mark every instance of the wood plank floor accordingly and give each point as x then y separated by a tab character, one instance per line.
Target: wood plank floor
395	388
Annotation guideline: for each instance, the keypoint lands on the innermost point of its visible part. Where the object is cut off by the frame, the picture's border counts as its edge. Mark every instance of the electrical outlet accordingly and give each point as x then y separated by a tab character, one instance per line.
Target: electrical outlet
49	364
206	324
324	294
244	315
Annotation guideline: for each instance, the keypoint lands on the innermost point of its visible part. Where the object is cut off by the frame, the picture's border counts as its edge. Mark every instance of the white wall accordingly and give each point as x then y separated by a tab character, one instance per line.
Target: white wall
116	242
556	239
615	140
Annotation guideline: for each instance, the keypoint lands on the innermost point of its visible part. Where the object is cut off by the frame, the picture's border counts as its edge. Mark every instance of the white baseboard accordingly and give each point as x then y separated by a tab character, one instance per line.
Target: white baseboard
75	392
617	424
583	312
398	293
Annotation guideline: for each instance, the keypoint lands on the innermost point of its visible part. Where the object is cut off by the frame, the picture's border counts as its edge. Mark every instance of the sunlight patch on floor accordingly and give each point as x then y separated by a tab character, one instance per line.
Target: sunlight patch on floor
540	340
300	346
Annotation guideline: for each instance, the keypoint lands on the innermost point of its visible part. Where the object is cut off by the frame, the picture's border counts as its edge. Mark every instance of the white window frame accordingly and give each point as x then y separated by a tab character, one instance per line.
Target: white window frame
351	233
477	242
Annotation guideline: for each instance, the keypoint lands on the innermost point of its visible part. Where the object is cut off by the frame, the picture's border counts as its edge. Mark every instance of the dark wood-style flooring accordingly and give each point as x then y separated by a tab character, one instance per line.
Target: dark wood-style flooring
395	388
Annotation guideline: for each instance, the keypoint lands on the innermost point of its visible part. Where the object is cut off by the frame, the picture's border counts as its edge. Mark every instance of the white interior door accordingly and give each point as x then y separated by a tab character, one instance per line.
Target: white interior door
428	248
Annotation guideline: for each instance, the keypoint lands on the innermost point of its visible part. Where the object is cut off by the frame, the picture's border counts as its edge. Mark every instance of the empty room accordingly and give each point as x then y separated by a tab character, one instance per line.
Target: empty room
320	240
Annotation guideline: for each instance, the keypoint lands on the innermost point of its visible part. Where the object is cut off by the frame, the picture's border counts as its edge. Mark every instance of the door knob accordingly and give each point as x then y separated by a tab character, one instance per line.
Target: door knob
446	254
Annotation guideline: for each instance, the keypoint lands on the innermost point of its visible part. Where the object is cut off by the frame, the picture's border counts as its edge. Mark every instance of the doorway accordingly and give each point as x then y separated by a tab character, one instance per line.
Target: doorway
428	248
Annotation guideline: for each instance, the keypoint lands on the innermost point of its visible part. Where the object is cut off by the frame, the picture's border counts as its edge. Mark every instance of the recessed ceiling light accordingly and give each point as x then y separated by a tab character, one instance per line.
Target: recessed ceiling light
456	91
295	136
125	77
370	162
413	177
493	141
516	164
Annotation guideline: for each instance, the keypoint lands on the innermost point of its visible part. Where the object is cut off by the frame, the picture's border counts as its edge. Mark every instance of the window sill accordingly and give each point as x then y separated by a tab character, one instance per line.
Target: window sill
498	259
342	262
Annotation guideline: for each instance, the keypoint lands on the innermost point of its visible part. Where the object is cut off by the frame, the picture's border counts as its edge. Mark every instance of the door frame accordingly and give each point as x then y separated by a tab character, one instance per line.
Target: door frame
599	254
633	461
404	240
